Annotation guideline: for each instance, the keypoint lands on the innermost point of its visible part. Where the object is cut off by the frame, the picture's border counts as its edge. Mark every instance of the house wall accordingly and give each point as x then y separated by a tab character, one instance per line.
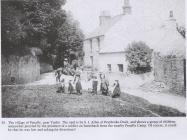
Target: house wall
23	68
171	72
87	52
94	52
113	59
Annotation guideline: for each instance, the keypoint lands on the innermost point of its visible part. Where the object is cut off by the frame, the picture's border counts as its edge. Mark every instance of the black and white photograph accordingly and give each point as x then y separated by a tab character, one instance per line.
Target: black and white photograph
93	58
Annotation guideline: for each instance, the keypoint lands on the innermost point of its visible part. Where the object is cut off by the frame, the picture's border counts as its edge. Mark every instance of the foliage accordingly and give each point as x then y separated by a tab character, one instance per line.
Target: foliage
138	55
69	43
182	31
42	24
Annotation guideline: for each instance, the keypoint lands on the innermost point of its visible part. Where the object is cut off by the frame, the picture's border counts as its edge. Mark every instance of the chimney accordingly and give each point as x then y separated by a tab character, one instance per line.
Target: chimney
171	22
104	17
126	8
171	14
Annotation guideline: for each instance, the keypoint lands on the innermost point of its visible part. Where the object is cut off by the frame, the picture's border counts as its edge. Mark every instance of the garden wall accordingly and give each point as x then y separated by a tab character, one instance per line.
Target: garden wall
23	69
171	71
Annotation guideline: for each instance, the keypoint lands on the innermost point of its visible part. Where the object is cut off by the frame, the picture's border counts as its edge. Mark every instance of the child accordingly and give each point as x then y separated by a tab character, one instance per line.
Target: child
78	85
61	88
117	91
104	85
94	85
58	74
70	87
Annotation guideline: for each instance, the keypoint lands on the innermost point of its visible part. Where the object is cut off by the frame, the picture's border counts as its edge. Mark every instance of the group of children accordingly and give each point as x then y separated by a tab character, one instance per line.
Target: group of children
106	90
75	86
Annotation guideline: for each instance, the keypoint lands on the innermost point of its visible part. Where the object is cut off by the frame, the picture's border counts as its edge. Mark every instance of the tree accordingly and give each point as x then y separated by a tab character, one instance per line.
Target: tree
70	41
182	31
42	24
138	55
11	28
25	23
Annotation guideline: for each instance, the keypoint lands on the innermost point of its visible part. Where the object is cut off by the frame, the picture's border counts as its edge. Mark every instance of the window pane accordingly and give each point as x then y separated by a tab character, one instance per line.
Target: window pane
120	67
109	67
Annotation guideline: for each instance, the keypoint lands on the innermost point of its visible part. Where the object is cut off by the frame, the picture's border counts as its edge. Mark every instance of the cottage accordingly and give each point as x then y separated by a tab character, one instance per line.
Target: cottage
105	47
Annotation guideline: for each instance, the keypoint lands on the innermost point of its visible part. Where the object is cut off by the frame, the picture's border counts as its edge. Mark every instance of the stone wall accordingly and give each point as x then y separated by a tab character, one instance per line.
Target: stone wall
21	69
171	71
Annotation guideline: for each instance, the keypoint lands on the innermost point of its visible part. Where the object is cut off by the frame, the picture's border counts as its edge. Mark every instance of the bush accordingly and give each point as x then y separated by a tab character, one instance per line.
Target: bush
139	56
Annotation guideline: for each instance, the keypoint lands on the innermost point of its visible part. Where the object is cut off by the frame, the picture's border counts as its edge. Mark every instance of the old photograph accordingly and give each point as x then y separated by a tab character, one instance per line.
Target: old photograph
93	58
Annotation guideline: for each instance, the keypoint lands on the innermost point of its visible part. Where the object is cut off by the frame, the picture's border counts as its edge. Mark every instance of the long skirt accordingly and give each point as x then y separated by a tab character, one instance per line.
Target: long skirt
104	89
70	88
116	92
78	87
94	87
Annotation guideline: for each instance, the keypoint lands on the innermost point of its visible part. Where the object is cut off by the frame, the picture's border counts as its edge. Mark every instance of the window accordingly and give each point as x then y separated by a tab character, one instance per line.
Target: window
98	42
109	67
165	70
91	48
120	67
91	59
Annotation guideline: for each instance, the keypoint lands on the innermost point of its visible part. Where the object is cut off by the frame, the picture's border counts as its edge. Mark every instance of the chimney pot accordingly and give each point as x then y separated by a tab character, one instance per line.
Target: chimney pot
104	17
171	14
126	8
171	22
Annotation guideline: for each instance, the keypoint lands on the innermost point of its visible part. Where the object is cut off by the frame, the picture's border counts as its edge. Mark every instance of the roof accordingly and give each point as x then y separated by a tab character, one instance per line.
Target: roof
157	36
102	29
122	30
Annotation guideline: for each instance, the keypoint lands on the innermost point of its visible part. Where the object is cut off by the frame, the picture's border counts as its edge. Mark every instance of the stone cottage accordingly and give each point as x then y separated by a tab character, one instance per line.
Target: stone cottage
105	47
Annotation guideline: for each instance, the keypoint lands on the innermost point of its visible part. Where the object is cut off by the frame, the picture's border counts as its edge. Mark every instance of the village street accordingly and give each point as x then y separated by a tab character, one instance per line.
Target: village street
40	99
164	99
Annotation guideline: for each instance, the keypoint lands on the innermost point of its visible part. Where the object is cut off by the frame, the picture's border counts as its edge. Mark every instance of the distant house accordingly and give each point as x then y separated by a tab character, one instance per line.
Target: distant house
105	47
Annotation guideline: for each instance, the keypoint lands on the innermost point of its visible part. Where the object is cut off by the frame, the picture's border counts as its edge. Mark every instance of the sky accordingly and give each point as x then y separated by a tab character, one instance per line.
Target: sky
87	11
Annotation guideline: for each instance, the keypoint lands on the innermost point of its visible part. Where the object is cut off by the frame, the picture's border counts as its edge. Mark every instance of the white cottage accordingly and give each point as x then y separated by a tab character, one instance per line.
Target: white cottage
105	47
